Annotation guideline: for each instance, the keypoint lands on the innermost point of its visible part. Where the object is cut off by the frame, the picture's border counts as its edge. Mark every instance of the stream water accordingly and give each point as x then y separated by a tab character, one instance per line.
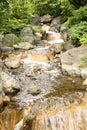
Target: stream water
61	104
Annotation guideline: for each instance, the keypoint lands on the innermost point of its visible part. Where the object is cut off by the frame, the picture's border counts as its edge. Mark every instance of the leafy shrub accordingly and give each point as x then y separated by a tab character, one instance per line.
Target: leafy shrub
77	16
83	40
51	7
15	16
66	8
77	32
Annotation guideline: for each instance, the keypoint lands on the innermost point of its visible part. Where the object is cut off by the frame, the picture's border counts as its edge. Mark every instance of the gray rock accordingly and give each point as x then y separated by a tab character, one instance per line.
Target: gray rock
26	35
34	90
57	21
54	29
26	31
24	45
7	49
71	59
46	18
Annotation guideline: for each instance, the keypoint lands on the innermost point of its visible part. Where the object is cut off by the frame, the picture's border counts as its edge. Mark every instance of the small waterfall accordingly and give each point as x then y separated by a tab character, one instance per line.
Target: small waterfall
73	118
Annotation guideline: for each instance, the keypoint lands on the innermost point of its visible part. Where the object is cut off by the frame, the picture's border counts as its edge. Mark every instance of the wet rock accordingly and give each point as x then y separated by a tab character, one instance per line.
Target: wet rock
34	90
41	54
29	118
24	46
10	39
53	37
46	18
35	20
10	85
45	27
41	43
54	29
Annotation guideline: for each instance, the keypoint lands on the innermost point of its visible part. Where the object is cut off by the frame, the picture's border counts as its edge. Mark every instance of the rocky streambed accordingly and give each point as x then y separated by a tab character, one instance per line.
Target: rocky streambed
37	95
42	87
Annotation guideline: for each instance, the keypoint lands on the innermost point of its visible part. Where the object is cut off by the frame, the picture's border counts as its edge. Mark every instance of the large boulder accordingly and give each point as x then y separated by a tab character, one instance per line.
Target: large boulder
46	18
10	39
71	59
26	35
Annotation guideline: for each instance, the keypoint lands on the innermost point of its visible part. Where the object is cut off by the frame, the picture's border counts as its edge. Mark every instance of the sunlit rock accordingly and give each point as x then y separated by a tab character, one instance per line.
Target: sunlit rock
10	85
46	18
34	90
24	46
6	100
13	61
85	82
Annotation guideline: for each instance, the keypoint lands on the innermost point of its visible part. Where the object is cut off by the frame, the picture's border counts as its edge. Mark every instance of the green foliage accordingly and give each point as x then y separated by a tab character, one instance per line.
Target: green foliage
51	7
66	8
83	62
77	32
15	15
83	40
78	3
78	16
21	9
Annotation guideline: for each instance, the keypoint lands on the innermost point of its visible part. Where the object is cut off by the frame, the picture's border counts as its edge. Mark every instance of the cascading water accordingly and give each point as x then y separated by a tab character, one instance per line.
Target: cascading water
66	104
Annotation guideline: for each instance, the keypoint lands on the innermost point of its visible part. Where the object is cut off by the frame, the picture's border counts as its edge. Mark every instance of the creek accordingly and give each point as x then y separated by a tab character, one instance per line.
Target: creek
61	103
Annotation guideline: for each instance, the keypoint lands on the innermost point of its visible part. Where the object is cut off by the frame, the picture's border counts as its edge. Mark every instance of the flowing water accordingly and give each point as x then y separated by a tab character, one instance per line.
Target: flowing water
61	105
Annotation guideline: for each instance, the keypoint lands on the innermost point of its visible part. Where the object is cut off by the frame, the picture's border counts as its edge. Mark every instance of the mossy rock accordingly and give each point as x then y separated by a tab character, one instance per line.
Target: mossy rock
10	40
